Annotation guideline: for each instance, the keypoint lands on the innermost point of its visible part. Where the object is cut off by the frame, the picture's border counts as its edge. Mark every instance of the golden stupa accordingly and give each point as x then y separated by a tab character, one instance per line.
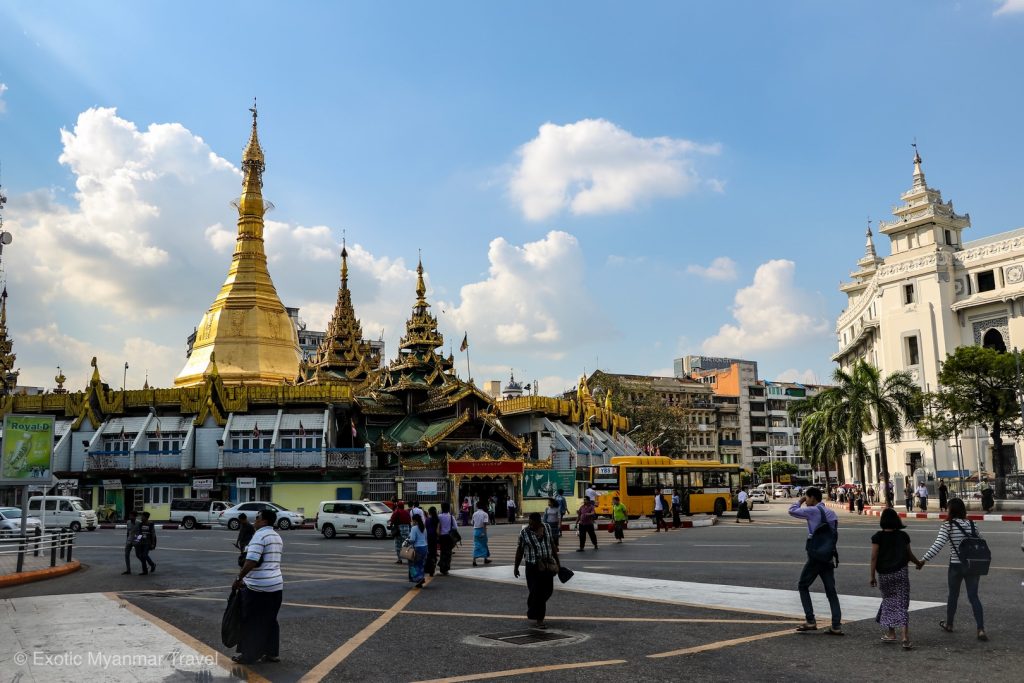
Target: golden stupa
247	326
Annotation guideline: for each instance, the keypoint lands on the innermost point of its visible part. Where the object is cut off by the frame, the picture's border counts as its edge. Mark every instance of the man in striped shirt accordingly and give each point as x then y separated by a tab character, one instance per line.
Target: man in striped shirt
262	588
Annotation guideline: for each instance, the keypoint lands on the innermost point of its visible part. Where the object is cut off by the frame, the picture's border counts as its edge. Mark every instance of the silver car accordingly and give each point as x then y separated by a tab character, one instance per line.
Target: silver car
286	519
10	522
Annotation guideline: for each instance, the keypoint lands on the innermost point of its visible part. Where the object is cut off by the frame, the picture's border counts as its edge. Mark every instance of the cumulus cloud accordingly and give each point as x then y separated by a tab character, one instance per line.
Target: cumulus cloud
771	313
534	297
593	167
3	104
802	376
1010	7
722	268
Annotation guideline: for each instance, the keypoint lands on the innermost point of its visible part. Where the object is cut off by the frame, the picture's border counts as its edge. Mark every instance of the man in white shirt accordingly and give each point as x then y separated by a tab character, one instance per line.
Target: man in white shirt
510	505
262	588
591	494
922	496
743	509
659	513
480	522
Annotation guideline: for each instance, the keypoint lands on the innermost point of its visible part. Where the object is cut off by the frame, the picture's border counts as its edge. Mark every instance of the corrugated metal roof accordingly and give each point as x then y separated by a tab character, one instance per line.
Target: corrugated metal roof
131	425
245	423
170	423
310	421
61	427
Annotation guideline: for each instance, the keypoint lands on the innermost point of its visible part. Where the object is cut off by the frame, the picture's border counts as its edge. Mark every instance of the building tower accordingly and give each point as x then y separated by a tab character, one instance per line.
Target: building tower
247	325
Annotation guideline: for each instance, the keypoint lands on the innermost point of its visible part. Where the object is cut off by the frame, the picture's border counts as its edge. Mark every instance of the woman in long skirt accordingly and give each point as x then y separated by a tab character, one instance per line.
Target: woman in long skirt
418	540
890	555
432	523
480	522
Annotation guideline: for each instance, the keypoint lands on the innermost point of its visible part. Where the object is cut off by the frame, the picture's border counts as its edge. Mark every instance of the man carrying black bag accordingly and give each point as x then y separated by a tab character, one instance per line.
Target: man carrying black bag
261	589
822	558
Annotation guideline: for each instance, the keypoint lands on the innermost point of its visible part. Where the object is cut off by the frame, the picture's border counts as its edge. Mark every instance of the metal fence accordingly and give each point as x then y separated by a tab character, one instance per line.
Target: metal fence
44	548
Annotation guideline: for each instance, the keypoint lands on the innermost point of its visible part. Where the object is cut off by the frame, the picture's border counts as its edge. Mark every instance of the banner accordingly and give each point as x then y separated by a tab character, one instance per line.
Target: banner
112	484
27	453
424	488
202	484
545	483
242	483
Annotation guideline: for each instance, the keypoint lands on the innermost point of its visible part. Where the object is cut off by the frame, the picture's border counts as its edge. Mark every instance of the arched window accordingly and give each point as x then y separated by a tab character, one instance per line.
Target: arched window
993	339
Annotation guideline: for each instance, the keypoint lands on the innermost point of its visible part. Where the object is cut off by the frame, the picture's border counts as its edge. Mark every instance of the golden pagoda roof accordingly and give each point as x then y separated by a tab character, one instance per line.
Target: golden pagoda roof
247	326
8	375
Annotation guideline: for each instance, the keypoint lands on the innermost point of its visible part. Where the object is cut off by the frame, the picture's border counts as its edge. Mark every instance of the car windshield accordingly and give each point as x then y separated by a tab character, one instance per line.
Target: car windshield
10	513
77	505
378	508
279	507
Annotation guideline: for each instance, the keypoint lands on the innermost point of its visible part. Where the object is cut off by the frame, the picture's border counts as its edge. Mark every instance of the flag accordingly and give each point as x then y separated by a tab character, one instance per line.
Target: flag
256	431
353	421
302	430
465	342
122	434
158	429
657	451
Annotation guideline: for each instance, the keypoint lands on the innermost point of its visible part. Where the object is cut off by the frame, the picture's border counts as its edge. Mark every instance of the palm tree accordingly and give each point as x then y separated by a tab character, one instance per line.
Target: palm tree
822	440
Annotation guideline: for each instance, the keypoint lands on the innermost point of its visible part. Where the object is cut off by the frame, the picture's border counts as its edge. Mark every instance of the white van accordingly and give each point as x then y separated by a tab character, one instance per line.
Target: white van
191	512
62	511
352	517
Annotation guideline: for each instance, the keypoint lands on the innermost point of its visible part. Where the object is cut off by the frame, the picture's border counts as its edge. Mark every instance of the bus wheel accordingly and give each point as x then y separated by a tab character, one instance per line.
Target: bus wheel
719	507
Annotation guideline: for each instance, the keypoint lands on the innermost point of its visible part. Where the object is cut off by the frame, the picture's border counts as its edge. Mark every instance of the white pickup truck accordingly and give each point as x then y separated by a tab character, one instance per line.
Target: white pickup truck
189	512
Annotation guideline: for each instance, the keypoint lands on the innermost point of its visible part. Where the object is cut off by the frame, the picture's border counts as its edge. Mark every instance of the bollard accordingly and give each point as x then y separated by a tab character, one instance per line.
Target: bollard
53	548
60	535
22	547
39	536
71	543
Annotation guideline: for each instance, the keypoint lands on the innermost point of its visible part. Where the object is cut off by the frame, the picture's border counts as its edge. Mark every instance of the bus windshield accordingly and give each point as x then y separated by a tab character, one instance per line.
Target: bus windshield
606	478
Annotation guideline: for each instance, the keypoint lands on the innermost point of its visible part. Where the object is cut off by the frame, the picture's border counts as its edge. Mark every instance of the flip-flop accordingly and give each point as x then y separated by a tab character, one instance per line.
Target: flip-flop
806	627
945	627
907	645
833	632
889	640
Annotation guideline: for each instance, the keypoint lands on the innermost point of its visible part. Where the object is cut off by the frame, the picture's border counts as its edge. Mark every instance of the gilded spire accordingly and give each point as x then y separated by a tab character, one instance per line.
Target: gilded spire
8	375
918	173
421	287
247	325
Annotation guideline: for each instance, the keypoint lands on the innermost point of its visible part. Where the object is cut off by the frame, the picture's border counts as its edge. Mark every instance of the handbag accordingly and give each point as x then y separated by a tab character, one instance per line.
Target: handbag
973	552
821	546
564	574
231	622
548	565
455	536
408	551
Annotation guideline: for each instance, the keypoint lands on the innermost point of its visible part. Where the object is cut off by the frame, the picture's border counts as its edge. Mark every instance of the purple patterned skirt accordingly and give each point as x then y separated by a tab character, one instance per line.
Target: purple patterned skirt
895	608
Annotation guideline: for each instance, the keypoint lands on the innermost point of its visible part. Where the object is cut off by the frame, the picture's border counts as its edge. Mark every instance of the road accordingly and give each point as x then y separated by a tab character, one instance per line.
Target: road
721	599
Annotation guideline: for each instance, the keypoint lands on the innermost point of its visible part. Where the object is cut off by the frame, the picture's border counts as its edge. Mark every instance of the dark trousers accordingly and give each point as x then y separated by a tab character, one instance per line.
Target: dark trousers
620	528
676	522
812	570
541	585
924	504
446	545
512	516
431	561
587	530
142	552
954	578
659	520
261	634
128	557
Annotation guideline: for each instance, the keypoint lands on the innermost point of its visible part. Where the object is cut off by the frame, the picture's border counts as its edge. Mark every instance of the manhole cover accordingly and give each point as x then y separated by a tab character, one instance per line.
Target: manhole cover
527	637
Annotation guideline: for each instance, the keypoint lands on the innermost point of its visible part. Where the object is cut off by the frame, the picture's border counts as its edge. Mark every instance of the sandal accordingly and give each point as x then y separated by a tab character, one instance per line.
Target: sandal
806	627
887	639
982	636
907	645
834	632
948	628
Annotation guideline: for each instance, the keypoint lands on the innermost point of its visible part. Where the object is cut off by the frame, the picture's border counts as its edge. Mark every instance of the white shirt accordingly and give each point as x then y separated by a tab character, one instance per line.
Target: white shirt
742	497
590	493
265	544
481	519
922	491
418	511
510	504
657	504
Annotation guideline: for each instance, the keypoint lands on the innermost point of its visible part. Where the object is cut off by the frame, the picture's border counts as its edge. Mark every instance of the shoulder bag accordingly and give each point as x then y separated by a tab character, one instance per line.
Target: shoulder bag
408	551
973	552
821	546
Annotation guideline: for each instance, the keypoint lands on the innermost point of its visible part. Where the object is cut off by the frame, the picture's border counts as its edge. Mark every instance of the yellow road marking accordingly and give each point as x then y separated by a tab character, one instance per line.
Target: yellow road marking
721	644
197	645
520	672
318	672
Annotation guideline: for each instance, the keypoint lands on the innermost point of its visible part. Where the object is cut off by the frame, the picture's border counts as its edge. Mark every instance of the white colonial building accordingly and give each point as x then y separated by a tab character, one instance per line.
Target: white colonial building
932	294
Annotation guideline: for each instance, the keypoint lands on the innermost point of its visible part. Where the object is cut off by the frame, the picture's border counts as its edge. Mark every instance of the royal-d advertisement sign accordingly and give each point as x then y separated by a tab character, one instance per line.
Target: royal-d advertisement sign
27	453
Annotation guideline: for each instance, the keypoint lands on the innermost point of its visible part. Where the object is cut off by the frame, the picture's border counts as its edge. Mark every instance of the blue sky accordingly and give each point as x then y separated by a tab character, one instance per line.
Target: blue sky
591	183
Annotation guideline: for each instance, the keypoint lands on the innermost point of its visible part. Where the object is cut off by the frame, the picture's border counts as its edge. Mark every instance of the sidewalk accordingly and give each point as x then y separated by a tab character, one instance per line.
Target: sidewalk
875	511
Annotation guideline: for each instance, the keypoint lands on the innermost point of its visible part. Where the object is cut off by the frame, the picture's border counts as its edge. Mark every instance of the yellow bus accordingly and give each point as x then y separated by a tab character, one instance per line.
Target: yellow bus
704	486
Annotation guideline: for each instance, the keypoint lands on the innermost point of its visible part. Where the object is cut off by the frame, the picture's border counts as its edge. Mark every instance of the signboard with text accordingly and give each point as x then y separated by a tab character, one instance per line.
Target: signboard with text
202	484
424	488
485	467
545	483
112	484
27	453
243	483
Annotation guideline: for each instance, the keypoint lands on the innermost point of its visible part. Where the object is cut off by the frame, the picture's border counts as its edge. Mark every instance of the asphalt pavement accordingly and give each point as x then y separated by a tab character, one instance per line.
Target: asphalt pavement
350	614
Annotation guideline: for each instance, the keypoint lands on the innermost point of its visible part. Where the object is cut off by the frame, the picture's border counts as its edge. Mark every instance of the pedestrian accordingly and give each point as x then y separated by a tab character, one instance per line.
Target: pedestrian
492	509
400	521
418	540
908	497
585	518
943	495
129	543
431	525
480	522
890	555
465	511
890	493
677	505
511	505
822	535
553	518
262	588
988	500
953	531
659	512
591	493
542	565
860	502
415	509
851	499
445	525
922	496
742	509
145	543
871	494
246	531
562	505
620	517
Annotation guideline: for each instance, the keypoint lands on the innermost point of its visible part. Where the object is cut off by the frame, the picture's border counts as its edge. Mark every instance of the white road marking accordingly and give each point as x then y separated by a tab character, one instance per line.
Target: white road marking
721	545
784	603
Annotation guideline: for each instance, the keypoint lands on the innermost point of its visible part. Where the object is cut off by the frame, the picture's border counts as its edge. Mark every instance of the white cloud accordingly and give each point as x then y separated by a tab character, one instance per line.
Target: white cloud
616	261
662	372
1010	7
3	104
534	297
722	268
593	166
802	376
771	313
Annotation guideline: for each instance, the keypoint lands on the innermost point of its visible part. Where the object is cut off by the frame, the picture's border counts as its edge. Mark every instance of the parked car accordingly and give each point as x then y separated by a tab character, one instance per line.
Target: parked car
63	511
757	496
10	523
286	519
353	518
190	512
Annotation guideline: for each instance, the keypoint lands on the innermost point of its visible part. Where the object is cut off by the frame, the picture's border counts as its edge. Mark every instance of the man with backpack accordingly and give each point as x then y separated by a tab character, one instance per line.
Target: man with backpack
822	558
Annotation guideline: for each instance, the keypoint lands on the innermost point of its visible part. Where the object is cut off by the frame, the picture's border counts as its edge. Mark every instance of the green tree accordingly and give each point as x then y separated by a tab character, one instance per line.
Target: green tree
779	468
654	422
822	440
942	417
983	384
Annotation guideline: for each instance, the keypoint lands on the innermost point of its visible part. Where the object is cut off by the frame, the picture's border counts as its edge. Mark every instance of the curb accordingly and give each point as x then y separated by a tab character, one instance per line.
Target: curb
9	580
171	526
974	517
640	525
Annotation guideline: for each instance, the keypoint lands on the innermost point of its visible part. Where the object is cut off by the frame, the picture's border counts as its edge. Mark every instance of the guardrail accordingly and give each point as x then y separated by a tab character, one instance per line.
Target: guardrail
59	543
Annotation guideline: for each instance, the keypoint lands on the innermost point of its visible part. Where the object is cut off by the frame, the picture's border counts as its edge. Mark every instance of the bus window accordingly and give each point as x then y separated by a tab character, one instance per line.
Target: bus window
696	482
606	478
635	483
650	479
734	480
665	480
716	481
681	480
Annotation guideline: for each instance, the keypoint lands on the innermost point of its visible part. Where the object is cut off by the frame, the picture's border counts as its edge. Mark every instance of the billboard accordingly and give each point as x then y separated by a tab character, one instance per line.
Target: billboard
545	483
27	454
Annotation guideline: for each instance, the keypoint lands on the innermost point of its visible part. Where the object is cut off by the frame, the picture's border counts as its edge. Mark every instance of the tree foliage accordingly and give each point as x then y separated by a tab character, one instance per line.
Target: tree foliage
780	467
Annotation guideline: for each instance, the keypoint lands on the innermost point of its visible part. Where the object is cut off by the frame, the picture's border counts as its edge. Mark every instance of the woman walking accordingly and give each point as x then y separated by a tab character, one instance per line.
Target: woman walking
541	567
467	509
400	521
585	524
953	531
418	540
890	555
553	518
480	523
619	516
743	507
446	524
432	525
908	497
860	503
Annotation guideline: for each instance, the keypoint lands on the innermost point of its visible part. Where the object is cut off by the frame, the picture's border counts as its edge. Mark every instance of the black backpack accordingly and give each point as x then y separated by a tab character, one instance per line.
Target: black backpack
821	546
973	552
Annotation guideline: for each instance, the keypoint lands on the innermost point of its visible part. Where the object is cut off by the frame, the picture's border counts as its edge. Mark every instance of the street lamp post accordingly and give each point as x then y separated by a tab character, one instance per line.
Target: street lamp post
400	478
